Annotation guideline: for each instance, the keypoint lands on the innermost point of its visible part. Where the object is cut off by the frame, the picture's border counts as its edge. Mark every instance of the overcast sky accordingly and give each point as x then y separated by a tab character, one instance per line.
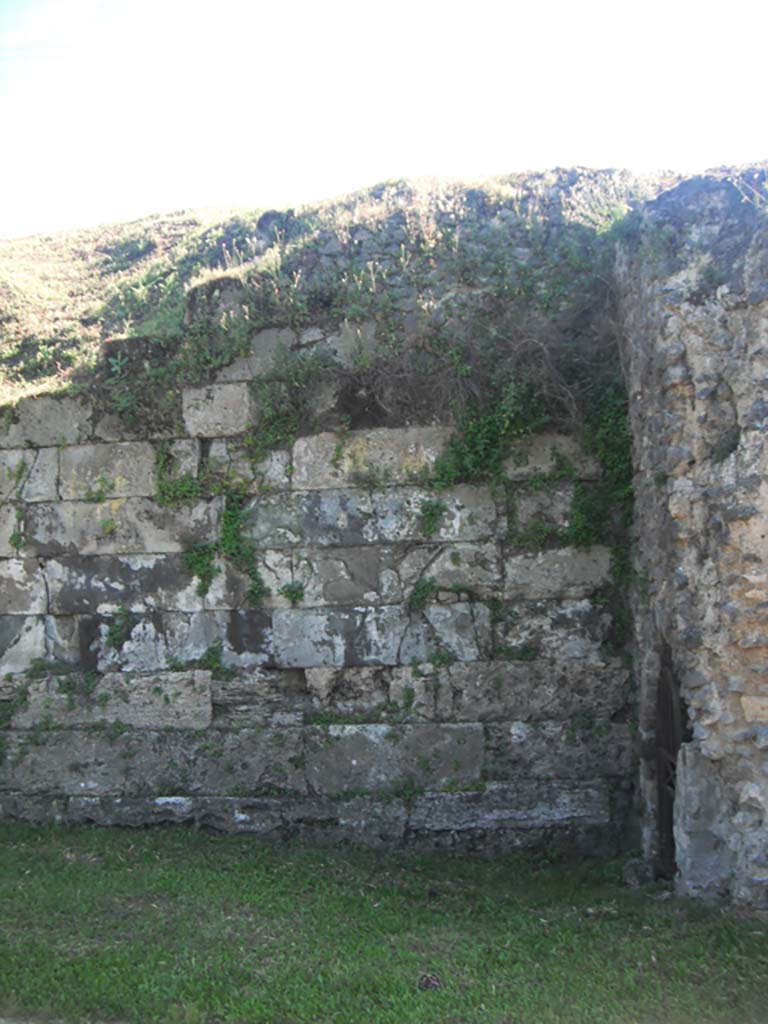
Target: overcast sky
112	109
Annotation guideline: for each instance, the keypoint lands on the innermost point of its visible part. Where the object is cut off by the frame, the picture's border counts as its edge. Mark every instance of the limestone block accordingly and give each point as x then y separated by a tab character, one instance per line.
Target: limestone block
372	822
9	525
347	576
542	453
264	347
470	515
566	572
353	342
28	474
559	631
261	697
22	640
217	410
381	457
462	567
383	757
582	748
353	691
159	639
139	762
755	709
548	505
47	421
529	804
121	470
249	638
231	459
346	518
508	690
387	635
22	587
185	455
118	526
168	700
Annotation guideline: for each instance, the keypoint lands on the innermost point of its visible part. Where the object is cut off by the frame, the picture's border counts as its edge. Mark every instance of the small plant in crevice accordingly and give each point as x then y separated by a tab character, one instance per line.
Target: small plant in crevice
211	661
200	561
239	549
119	628
172	488
519	652
422	592
293	592
431	513
477	450
442	657
16	539
99	493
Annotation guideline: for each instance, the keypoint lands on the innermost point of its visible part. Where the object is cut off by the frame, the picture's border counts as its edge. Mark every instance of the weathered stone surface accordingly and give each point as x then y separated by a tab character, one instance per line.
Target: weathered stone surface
340	758
386	635
28	474
100	584
22	587
566	572
265	345
347	518
144	762
352	342
231	459
158	640
755	709
504	690
22	640
536	506
9	525
559	631
387	574
259	697
46	422
107	470
184	454
217	410
382	456
694	339
169	700
582	748
543	453
118	526
530	805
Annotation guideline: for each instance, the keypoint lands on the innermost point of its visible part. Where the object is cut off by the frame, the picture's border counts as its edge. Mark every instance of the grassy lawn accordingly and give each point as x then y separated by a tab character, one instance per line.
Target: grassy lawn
178	926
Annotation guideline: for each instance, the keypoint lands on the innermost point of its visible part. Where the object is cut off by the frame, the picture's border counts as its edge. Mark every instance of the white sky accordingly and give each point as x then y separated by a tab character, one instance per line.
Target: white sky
112	109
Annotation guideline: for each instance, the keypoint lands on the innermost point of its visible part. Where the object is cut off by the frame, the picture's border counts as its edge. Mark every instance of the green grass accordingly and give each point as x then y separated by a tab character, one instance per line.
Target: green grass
178	926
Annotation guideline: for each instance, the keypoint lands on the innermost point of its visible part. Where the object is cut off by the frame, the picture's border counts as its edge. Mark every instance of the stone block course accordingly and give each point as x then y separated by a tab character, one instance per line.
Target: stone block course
386	456
567	572
218	410
117	526
343	758
29	474
107	471
359	700
543	454
46	422
22	587
348	518
168	700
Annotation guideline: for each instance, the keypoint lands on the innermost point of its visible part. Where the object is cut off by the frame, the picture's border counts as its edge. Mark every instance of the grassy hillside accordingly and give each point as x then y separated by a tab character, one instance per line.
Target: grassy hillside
444	269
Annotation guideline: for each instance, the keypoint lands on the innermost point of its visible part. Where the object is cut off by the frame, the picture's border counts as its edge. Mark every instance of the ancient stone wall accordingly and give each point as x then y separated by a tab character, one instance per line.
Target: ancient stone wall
313	644
695	305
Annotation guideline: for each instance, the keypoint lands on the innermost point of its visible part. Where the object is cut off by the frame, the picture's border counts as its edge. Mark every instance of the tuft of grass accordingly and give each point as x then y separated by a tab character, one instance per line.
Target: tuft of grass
172	926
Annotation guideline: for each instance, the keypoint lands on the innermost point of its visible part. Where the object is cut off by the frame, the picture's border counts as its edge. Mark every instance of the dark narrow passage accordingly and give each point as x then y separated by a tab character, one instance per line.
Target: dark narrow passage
671	730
